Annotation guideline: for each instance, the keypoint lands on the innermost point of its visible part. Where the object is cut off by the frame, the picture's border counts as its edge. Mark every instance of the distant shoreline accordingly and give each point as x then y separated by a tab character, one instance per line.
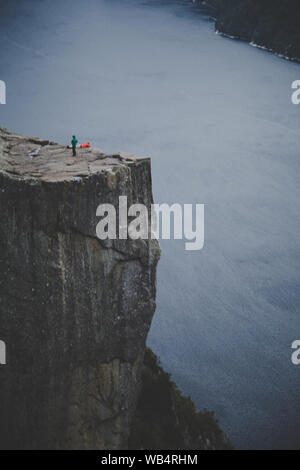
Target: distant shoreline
267	25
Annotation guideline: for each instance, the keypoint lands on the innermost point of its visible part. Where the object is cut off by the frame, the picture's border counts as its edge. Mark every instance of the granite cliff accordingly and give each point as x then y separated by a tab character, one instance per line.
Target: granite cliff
270	24
74	311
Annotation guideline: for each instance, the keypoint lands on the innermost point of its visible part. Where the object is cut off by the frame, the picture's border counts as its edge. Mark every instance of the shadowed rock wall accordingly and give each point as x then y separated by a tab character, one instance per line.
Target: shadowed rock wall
74	311
272	24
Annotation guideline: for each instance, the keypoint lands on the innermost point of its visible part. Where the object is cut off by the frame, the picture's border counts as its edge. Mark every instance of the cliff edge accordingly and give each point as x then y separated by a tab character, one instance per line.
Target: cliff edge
74	311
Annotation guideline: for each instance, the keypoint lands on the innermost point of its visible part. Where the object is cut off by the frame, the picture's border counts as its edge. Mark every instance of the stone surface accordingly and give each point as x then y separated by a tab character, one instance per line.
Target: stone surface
74	311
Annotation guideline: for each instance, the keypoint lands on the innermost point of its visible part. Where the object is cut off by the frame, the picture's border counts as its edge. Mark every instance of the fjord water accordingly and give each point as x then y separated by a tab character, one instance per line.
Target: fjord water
215	115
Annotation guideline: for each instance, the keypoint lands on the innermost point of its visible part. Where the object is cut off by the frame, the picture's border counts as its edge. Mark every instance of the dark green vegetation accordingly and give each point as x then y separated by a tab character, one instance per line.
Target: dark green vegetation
165	419
273	24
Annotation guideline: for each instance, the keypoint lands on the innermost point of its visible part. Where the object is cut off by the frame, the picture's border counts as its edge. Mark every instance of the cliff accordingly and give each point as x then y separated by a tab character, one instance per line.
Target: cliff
165	419
271	24
74	311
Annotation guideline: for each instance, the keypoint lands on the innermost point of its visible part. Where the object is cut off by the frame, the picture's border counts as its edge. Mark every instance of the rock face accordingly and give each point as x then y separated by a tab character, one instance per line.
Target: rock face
74	311
272	24
165	419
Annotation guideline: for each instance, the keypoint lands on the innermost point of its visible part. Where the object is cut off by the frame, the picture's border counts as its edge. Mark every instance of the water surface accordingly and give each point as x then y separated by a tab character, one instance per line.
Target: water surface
215	115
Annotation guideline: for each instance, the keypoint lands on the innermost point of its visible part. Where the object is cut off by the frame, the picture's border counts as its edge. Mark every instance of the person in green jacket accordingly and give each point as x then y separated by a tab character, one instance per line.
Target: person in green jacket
74	142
